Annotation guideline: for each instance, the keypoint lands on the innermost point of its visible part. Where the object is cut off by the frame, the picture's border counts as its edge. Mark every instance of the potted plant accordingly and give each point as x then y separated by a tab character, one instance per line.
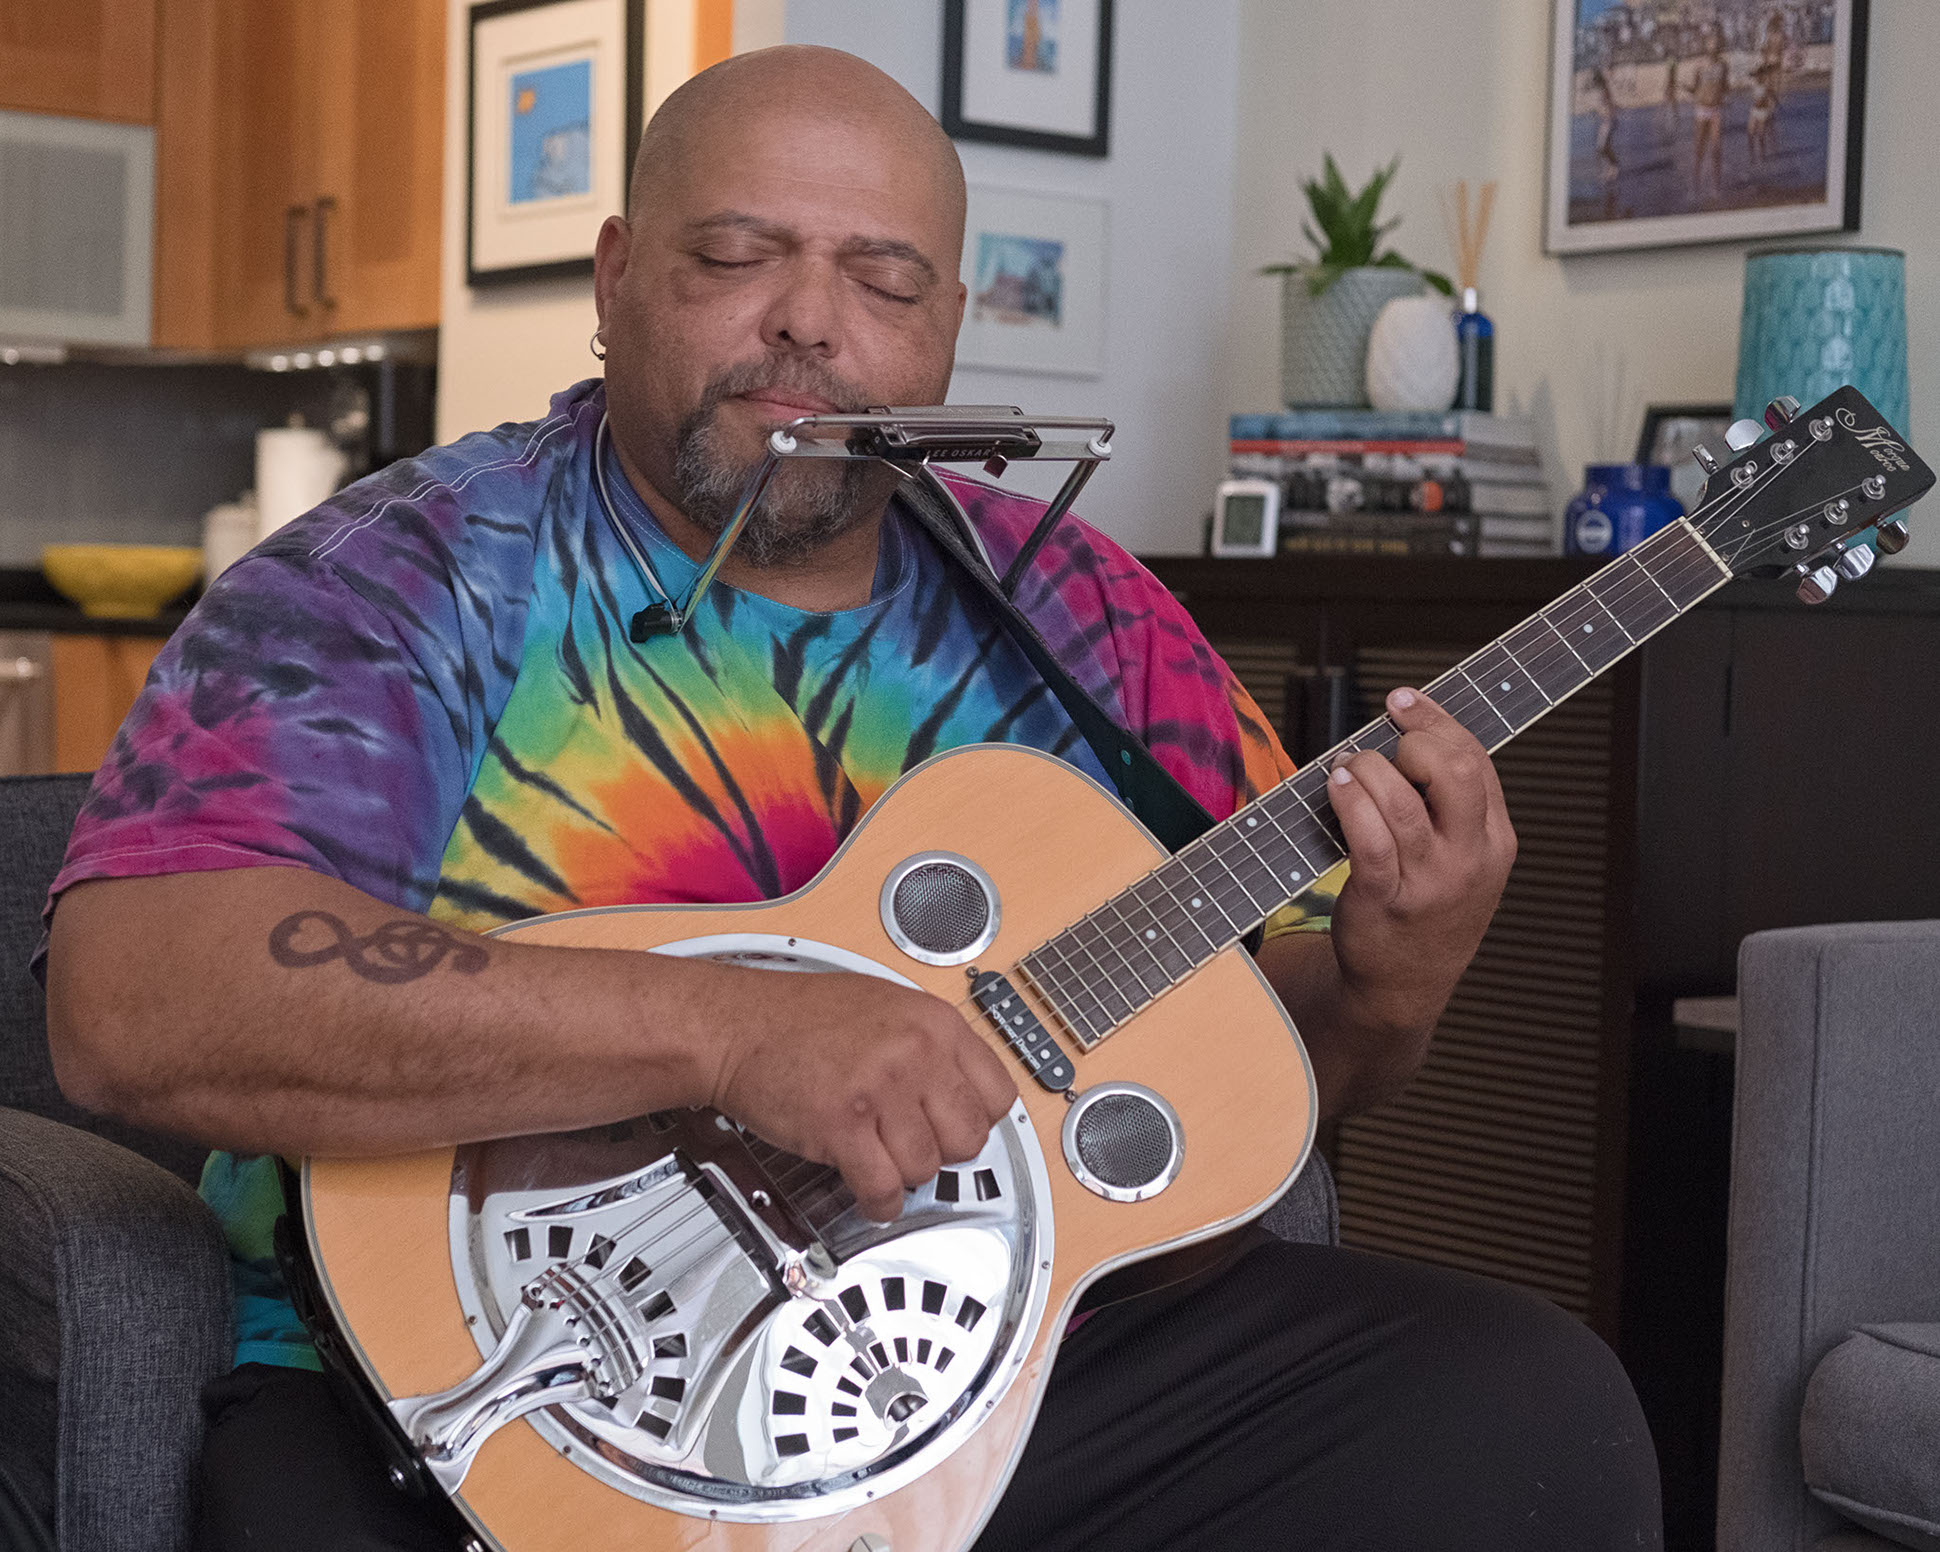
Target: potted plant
1329	303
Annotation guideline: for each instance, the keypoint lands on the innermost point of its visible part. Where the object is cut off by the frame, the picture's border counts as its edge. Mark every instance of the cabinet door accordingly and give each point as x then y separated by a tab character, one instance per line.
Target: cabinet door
96	680
87	58
380	183
266	172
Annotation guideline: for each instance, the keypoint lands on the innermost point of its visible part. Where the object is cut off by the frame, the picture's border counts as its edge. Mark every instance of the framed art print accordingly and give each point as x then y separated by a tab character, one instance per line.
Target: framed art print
555	114
1688	121
1031	73
1035	268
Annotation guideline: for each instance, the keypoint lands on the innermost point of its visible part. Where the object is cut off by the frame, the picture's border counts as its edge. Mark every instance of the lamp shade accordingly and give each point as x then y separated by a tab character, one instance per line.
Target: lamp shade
1817	319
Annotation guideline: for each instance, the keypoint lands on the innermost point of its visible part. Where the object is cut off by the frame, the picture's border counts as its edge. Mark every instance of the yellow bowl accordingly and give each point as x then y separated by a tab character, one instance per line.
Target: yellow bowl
120	581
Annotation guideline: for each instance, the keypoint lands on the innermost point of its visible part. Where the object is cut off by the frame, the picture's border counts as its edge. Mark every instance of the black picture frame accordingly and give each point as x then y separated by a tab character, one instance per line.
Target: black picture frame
635	13
1718	415
1687	479
1096	144
1636	216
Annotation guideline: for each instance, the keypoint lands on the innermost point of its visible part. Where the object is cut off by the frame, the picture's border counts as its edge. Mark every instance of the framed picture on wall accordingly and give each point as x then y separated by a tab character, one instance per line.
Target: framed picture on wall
1035	268
1031	73
555	108
1688	121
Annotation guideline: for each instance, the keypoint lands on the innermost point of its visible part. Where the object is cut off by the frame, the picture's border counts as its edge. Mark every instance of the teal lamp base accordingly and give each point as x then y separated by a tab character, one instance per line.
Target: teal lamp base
1816	319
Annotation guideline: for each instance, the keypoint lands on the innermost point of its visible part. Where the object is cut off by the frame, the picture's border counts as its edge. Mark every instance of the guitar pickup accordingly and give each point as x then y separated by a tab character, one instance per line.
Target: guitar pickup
1022	1029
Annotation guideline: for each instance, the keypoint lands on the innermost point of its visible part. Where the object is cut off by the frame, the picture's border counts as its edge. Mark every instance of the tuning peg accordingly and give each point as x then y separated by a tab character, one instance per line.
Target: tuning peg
1781	411
1891	537
1707	458
1856	562
1740	434
1818	584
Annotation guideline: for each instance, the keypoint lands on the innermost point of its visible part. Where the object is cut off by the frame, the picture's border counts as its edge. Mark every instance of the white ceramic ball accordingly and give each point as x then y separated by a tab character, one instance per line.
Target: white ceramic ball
1412	363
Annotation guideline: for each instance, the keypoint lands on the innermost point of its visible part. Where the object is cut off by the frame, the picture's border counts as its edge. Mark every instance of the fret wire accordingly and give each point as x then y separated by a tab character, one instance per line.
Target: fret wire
1543	615
1462	669
1509	652
1637	561
1047	980
1154	881
1260	810
1590	591
1299	851
1110	942
1073	937
1200	892
1066	1006
1148	940
1068	1003
1211	842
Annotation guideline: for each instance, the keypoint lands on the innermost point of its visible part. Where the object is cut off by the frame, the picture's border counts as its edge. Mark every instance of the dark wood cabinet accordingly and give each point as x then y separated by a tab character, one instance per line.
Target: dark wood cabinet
1757	764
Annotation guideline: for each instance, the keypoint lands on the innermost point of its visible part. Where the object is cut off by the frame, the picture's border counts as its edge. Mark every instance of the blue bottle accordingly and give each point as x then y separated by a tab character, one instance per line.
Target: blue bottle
1620	505
1475	342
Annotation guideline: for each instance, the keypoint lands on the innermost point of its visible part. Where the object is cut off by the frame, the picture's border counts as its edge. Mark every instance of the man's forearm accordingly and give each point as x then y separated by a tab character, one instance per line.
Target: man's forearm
275	1009
1357	1061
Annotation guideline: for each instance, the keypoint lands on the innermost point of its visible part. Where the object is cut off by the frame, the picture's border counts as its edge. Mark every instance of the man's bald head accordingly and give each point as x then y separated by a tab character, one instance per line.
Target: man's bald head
793	82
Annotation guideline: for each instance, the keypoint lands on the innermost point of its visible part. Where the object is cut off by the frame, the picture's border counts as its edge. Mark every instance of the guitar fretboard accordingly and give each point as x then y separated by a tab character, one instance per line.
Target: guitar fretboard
1135	947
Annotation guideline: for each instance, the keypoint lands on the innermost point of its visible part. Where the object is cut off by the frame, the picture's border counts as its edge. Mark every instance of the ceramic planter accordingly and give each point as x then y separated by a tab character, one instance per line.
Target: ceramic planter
1323	339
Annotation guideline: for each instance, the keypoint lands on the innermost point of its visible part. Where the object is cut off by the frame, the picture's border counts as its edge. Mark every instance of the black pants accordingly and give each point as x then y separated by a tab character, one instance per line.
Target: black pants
1305	1397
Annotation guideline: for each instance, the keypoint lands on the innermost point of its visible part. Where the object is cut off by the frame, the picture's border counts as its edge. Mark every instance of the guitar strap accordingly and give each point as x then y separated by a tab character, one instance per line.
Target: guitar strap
1146	787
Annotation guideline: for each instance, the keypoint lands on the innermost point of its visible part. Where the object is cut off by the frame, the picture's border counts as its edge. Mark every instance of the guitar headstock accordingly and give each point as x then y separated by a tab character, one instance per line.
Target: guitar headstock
1806	498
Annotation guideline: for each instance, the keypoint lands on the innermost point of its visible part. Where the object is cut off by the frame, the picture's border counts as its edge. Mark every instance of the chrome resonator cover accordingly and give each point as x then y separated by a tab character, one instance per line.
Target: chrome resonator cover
712	1327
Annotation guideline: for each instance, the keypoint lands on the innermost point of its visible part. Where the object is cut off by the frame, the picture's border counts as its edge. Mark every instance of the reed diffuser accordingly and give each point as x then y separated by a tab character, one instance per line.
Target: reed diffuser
1474	332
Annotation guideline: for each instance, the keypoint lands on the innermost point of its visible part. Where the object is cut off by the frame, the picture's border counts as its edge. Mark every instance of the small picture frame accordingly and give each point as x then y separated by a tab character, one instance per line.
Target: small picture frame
1669	433
1033	73
1246	518
554	113
1685	121
1034	265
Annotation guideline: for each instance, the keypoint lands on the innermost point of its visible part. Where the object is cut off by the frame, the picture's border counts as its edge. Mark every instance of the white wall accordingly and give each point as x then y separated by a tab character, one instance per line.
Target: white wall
503	351
1458	88
1169	187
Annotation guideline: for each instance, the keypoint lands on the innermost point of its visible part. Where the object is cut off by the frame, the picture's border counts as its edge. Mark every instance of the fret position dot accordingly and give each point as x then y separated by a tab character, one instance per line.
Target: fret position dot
1197	902
1588	629
1150	933
1505	684
1251	822
1293	873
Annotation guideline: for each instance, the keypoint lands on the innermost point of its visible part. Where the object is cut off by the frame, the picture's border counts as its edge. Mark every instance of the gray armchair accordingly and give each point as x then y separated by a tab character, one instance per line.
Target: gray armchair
1831	1415
114	1284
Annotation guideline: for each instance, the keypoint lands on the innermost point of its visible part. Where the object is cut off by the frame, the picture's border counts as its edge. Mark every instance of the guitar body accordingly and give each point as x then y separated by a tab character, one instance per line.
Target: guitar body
390	1236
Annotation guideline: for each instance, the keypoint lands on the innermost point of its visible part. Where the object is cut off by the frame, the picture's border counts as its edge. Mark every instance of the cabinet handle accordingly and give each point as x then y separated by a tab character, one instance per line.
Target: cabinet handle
325	205
292	219
22	670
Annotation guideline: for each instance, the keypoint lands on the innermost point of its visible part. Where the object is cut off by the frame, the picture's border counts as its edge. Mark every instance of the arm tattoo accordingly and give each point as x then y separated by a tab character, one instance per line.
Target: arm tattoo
396	952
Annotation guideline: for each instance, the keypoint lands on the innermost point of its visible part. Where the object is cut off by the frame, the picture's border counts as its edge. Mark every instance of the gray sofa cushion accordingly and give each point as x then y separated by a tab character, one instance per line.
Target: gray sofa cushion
114	1311
1870	1431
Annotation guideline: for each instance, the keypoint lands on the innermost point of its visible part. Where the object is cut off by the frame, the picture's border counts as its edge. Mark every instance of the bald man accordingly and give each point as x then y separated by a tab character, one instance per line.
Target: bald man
415	714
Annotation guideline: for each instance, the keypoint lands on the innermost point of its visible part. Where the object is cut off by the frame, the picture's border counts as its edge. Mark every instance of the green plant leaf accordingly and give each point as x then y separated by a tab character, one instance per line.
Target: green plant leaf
1439	281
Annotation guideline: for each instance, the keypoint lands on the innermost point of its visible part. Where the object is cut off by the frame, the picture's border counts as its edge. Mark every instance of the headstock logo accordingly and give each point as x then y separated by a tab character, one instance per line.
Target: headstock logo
1888	450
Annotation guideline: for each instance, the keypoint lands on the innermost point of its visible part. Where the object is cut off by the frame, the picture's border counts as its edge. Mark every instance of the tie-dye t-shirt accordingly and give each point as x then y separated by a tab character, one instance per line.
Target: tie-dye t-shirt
425	688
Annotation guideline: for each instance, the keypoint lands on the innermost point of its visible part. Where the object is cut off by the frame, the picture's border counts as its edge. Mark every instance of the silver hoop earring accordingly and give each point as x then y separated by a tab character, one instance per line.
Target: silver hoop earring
597	344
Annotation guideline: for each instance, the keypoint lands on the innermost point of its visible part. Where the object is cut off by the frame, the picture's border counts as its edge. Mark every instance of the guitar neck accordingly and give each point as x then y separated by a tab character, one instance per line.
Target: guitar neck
1098	973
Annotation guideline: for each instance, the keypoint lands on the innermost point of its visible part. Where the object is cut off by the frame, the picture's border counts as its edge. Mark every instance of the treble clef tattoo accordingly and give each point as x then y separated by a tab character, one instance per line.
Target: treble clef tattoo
396	952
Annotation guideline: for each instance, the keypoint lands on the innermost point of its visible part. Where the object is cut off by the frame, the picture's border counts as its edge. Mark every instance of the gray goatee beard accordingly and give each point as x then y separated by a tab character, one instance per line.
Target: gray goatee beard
806	505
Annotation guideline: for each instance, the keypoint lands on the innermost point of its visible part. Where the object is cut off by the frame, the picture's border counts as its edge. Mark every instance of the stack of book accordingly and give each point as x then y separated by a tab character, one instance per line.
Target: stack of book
1401	482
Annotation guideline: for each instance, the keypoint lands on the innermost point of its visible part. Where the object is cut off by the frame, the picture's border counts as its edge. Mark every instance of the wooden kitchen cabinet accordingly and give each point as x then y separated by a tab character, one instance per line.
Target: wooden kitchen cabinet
96	680
85	58
302	169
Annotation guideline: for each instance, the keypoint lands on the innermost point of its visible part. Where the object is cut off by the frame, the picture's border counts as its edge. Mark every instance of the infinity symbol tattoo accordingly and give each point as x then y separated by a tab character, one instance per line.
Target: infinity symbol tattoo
397	952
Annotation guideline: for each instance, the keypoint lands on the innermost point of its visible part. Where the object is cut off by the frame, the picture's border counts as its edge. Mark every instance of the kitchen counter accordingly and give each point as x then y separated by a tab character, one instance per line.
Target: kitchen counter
28	602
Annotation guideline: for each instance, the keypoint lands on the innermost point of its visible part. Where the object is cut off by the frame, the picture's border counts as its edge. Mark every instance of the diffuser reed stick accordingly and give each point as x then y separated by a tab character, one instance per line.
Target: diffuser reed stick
1474	332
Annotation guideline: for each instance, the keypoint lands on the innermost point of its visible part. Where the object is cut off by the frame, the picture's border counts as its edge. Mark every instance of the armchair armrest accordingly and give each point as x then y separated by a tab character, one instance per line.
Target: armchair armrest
114	1311
1835	1191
